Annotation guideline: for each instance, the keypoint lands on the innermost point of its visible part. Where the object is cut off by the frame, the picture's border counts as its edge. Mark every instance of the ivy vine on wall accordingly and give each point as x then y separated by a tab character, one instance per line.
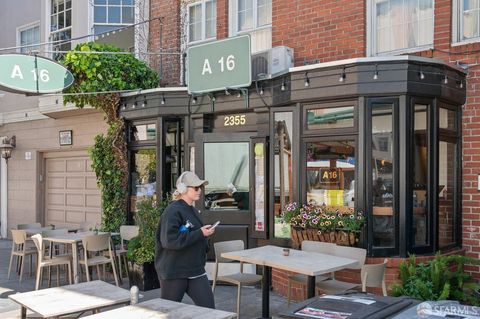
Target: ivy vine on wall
96	72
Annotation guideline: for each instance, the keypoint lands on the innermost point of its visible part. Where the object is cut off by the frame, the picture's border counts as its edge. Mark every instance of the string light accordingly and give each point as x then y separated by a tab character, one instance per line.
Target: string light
194	100
375	75
422	76
342	76
162	101
307	80
261	90
445	79
283	86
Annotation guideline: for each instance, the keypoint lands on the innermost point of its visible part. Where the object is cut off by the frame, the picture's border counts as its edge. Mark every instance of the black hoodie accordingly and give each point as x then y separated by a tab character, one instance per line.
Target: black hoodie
180	252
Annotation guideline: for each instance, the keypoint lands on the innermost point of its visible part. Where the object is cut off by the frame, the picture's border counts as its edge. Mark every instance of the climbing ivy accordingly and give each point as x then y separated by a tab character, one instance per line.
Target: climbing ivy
96	72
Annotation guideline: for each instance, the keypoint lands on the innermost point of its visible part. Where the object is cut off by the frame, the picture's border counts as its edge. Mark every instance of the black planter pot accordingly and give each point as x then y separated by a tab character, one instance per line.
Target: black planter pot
144	276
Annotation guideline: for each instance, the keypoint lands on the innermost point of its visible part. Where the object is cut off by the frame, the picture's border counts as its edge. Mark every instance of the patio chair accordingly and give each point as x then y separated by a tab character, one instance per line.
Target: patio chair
238	279
333	286
87	225
127	232
27	226
373	275
55	232
45	260
98	251
20	249
310	246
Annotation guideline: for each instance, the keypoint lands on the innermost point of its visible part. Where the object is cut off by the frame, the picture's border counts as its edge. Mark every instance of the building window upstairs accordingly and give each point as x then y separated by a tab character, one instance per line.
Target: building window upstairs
27	36
202	21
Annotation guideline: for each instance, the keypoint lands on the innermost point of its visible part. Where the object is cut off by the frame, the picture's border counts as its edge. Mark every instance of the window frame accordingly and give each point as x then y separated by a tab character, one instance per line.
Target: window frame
203	37
107	6
24	28
233	19
64	29
457	25
371	29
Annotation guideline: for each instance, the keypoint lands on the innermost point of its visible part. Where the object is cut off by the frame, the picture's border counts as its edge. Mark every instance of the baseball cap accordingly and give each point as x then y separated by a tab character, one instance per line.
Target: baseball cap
191	179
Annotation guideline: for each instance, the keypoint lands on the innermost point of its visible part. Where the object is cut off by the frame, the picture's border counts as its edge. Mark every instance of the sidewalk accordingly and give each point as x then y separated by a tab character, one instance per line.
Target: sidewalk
225	296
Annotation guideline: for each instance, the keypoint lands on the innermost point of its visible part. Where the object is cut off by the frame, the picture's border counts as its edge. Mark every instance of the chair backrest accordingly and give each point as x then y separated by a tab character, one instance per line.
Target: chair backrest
127	232
27	226
373	275
38	241
87	225
318	246
225	247
53	232
19	236
96	242
358	254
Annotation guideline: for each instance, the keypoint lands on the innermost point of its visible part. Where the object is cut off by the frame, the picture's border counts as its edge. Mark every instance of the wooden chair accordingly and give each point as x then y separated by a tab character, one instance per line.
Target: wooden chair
98	251
238	279
45	260
373	275
20	249
27	226
311	246
127	232
333	286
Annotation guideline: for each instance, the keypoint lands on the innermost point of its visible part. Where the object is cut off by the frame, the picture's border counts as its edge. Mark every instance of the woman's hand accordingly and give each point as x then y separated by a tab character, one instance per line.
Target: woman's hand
207	231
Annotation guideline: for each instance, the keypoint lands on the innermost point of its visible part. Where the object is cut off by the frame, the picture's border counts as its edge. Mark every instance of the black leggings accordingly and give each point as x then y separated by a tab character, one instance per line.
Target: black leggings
198	289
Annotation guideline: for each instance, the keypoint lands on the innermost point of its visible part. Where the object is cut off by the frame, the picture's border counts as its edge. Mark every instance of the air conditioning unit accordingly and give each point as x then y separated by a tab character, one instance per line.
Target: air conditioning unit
273	62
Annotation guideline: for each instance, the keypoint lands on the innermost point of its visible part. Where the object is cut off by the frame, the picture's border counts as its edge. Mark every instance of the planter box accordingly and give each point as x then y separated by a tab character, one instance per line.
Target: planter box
339	237
144	276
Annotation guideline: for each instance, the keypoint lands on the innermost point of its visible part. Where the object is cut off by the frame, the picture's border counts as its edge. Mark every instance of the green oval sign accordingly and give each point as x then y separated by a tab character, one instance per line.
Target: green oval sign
21	73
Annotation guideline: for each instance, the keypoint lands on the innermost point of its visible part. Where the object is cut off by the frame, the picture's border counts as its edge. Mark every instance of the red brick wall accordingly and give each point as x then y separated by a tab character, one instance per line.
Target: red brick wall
222	19
169	31
324	30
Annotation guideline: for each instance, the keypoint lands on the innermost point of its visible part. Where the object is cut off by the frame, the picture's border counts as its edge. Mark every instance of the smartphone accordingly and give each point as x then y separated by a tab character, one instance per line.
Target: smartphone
215	225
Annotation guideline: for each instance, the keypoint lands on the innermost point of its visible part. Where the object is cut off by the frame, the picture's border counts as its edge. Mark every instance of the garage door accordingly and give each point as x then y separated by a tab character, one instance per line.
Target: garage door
71	192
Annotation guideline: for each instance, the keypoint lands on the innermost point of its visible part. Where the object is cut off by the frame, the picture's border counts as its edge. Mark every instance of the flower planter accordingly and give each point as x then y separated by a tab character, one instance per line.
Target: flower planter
144	276
339	237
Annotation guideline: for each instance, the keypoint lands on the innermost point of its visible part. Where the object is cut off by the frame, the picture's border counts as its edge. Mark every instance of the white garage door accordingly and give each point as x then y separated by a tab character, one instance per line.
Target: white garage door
71	192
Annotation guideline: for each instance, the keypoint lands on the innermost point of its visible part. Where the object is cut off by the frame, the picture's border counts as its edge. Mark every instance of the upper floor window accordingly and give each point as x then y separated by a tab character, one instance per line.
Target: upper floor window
27	36
112	14
466	17
202	20
61	25
400	25
253	14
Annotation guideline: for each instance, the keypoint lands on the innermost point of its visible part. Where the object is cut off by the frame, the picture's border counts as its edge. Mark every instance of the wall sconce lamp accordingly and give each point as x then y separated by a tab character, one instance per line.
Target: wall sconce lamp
7	146
342	76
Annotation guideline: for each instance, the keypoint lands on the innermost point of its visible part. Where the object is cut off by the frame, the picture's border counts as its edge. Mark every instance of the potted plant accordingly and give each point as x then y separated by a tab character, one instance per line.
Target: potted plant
141	249
323	223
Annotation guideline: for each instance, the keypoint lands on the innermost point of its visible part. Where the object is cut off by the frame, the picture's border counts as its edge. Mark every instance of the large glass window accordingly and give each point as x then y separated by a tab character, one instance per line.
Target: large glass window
382	165
143	132
143	176
331	173
61	25
401	24
253	14
466	17
227	170
328	118
283	170
112	14
202	20
420	175
28	36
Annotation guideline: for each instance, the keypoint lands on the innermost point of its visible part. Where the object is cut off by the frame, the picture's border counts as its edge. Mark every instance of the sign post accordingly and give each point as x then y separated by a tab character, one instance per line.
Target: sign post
20	73
219	65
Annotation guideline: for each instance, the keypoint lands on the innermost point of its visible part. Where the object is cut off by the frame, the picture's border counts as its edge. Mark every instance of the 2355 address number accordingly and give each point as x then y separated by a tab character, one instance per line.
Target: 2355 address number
234	120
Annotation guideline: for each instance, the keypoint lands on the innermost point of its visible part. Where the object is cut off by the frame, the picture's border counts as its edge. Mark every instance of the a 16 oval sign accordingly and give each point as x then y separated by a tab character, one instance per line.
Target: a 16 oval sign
21	73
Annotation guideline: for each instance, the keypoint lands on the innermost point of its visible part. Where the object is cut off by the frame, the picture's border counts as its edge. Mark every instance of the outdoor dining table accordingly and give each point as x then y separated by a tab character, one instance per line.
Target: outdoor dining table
64	300
72	239
298	261
160	309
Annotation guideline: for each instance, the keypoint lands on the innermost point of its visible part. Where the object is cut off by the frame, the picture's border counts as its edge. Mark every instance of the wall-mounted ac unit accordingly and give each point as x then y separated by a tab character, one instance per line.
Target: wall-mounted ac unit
273	62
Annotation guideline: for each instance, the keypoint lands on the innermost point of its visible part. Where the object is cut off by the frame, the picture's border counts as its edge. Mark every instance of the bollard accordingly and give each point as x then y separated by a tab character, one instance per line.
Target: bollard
134	293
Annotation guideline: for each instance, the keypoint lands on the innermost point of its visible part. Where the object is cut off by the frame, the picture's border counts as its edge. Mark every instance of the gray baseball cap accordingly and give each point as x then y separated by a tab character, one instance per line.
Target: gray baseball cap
191	179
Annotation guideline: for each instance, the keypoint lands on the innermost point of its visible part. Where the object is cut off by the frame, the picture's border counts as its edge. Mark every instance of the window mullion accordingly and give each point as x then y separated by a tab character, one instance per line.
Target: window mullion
255	14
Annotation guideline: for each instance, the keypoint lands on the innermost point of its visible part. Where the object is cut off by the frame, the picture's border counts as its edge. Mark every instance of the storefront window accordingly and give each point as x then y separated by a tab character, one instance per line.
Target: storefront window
143	176
447	119
143	132
420	175
328	118
227	171
283	174
446	192
382	176
331	173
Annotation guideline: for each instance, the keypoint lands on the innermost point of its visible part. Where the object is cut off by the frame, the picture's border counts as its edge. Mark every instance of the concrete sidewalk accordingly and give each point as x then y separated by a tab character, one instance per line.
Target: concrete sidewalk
225	296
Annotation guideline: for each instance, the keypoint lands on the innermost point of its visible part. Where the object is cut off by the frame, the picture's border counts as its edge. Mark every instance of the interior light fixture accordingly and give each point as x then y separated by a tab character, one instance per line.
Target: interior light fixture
375	75
342	76
307	80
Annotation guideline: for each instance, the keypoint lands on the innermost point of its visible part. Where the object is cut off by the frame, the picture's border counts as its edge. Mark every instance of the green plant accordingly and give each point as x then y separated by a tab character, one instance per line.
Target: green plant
438	279
96	73
141	249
